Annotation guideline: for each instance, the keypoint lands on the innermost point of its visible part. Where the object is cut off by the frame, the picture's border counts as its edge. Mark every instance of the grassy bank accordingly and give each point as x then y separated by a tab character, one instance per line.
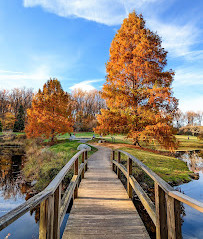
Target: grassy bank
44	163
172	170
185	144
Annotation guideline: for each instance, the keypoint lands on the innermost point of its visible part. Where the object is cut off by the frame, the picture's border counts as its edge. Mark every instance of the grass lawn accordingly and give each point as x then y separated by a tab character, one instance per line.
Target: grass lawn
189	144
169	168
43	164
185	144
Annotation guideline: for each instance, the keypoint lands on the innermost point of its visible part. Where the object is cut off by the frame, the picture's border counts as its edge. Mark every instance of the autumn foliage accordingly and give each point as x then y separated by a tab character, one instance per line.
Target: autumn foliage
138	91
50	113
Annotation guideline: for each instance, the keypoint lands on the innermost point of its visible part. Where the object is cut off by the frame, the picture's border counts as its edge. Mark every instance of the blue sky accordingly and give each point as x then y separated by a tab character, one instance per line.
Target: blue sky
70	40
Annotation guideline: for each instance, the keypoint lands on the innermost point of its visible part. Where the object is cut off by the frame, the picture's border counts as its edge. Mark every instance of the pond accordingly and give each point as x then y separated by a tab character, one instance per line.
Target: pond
15	191
192	226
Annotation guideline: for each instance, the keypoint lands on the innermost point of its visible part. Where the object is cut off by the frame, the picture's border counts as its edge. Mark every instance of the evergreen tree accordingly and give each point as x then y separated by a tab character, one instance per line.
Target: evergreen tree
19	124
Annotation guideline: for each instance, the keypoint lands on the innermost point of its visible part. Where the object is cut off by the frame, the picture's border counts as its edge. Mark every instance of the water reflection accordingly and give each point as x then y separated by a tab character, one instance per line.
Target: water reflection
13	192
193	220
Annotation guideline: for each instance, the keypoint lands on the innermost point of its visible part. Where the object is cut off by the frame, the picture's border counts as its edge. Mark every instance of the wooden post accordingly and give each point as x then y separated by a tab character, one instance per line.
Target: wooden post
119	160
113	158
178	219
46	218
129	170
86	159
43	221
83	160
76	167
57	206
161	217
173	218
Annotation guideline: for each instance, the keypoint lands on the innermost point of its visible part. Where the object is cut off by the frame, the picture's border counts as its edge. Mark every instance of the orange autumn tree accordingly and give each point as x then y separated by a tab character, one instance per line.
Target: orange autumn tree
138	91
50	113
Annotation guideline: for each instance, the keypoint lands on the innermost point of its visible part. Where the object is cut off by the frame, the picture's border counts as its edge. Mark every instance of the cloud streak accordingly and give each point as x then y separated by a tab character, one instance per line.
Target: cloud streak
85	85
101	11
177	39
13	79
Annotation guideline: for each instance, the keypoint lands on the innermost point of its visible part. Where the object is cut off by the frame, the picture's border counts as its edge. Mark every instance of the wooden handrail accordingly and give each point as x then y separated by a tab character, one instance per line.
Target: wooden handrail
165	186
52	208
166	212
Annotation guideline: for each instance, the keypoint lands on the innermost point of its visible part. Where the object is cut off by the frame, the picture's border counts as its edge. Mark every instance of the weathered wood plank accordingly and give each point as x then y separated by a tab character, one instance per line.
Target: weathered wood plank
161	216
103	207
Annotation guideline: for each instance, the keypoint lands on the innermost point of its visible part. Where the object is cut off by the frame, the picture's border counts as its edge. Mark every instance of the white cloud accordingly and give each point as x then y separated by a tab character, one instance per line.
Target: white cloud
191	104
12	79
188	77
177	40
109	12
85	85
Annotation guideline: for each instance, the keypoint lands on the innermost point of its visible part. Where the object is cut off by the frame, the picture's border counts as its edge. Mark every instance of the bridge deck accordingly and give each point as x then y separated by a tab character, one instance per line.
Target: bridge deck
103	209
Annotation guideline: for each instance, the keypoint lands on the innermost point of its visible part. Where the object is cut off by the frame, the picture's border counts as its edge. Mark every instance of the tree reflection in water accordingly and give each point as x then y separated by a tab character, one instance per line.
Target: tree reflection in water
12	184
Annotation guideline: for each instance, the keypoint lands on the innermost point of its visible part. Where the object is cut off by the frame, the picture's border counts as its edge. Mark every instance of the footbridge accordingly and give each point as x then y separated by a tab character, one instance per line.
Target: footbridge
102	206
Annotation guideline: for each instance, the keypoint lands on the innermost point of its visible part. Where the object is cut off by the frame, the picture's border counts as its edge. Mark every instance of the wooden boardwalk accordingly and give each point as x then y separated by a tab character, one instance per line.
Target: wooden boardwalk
103	209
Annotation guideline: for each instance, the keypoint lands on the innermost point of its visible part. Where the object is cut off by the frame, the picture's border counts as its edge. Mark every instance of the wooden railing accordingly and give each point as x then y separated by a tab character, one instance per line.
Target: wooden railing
52	207
165	213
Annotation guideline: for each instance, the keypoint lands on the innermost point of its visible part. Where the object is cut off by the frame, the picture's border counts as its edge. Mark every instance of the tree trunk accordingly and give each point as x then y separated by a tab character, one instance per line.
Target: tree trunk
52	135
137	143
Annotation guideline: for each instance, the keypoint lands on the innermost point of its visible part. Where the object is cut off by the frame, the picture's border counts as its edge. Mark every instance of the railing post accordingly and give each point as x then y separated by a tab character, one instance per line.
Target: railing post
161	216
113	158
57	206
83	160
86	158
119	160
173	218
129	170
76	167
46	218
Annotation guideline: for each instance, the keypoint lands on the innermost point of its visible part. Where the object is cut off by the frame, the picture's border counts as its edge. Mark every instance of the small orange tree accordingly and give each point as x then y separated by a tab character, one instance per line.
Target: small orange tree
138	91
50	113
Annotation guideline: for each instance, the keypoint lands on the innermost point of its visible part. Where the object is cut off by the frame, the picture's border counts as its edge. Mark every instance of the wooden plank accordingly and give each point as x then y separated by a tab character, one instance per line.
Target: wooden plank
76	169
171	217
46	218
113	158
178	219
50	217
161	217
146	201
83	161
43	221
118	170
129	171
103	207
187	200
57	206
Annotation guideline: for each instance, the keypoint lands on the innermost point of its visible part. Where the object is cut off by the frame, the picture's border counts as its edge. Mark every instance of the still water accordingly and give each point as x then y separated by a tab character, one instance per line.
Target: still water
13	192
192	227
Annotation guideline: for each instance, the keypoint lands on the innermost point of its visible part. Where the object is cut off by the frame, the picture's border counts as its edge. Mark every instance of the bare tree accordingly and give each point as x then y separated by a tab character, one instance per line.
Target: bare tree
86	106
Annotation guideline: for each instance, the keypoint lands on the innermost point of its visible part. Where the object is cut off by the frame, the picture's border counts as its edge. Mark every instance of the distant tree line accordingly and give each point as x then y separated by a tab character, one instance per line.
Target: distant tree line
15	103
13	108
86	106
189	118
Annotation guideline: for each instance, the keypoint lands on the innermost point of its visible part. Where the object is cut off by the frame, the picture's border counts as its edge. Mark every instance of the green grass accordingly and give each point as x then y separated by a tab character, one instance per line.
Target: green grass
78	135
43	164
184	144
189	144
169	168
